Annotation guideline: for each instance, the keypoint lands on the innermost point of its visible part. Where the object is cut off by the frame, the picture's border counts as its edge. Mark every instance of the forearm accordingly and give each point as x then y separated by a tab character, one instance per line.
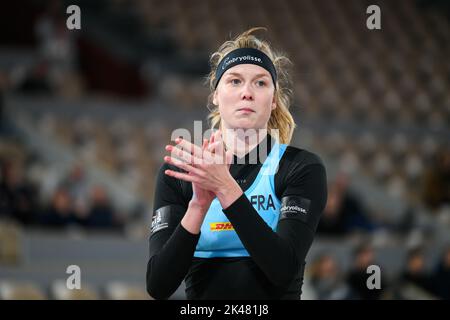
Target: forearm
229	193
193	219
171	254
275	255
167	269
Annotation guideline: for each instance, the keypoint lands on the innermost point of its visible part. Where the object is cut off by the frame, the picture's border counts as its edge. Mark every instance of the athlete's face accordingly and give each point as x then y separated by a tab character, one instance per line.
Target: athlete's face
245	96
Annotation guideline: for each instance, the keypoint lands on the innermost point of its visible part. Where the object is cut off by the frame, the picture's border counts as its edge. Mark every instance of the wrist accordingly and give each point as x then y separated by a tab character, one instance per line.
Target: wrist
193	218
229	193
197	206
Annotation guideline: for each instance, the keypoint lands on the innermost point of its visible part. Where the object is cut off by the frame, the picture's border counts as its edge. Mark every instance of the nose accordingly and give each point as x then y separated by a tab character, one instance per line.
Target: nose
247	93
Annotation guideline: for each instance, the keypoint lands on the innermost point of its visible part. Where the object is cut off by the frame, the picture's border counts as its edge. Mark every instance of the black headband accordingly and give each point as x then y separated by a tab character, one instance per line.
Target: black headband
245	56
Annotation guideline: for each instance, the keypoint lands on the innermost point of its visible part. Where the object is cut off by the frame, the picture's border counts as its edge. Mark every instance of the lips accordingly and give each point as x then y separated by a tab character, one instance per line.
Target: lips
246	109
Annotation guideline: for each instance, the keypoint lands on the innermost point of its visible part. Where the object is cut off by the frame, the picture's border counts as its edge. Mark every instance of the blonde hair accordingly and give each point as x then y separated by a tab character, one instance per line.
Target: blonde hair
280	118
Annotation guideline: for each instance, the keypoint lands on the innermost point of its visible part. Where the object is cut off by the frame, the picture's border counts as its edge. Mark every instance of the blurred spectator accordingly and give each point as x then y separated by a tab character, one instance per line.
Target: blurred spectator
344	212
326	279
101	214
60	212
441	276
56	44
436	188
357	277
36	81
3	87
17	196
415	283
76	185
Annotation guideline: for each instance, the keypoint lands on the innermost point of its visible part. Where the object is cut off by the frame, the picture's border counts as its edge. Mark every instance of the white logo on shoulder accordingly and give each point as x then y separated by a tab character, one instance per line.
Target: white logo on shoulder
157	223
292	209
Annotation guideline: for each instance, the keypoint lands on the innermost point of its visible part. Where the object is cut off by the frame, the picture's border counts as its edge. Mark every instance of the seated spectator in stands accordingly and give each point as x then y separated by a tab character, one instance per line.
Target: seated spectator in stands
326	279
4	85
436	188
441	277
36	81
415	283
60	212
17	196
357	277
101	214
77	186
344	212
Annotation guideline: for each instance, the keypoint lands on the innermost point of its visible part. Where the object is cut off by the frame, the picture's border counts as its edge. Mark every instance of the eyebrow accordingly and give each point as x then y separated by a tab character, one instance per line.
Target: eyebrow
240	75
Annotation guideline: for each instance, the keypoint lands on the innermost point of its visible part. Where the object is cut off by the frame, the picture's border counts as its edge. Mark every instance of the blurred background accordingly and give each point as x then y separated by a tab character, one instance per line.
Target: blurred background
85	115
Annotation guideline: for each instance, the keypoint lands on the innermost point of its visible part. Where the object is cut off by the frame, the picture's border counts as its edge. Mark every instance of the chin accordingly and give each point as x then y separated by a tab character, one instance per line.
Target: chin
244	125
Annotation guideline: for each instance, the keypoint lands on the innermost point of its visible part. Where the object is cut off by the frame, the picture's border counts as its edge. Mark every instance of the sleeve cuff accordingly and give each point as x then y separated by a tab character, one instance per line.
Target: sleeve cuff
241	204
184	235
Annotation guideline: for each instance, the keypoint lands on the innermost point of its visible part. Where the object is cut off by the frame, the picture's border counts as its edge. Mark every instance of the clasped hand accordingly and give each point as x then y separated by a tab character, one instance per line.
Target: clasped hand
207	167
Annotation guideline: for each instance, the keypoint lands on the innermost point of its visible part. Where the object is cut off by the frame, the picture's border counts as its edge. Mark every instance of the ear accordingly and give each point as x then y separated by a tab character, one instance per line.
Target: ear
215	98
274	104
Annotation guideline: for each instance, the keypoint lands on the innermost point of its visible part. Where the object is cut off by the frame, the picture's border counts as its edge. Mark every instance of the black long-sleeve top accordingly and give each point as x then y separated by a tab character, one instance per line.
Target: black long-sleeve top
275	267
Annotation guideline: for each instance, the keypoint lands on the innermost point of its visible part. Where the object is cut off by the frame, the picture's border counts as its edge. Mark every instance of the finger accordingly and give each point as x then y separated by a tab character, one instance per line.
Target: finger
229	157
182	176
206	149
215	154
204	146
211	141
209	156
184	166
212	147
189	147
219	147
224	145
189	158
221	153
218	135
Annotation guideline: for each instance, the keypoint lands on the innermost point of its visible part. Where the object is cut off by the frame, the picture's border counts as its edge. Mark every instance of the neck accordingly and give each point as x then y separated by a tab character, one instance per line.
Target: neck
242	141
